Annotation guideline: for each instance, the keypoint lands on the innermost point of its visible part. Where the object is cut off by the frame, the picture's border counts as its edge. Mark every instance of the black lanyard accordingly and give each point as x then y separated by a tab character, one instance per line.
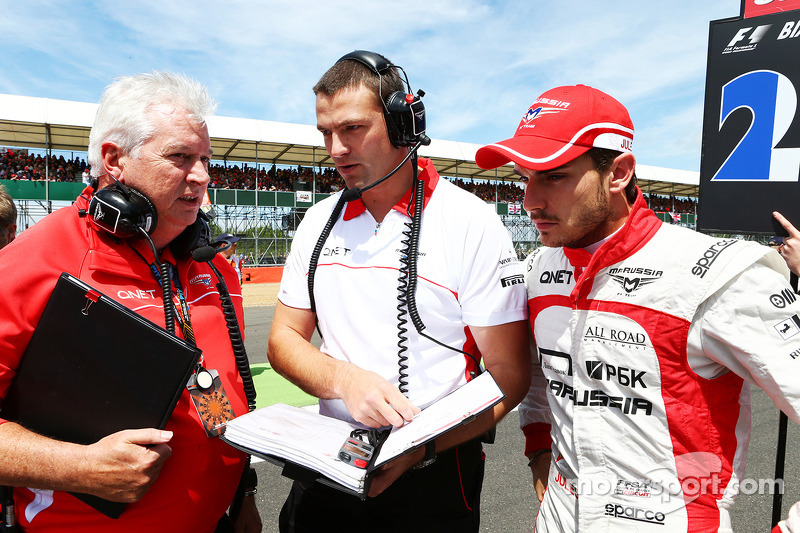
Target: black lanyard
182	312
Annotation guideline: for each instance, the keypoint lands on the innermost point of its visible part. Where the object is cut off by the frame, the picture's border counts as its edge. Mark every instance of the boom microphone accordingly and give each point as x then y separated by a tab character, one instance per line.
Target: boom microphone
354	194
204	254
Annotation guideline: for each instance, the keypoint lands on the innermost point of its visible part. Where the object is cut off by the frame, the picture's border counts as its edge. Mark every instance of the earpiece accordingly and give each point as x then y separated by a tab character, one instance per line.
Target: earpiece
404	112
122	211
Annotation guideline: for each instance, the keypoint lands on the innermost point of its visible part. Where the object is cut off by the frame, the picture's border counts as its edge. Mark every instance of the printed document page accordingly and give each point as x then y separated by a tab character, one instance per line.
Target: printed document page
472	399
303	437
313	440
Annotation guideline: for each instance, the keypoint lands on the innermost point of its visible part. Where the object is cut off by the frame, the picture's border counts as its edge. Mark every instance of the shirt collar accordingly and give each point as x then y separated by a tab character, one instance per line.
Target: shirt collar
428	175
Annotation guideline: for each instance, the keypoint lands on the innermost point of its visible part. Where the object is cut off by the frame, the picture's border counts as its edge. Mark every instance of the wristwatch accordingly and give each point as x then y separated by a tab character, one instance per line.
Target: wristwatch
430	455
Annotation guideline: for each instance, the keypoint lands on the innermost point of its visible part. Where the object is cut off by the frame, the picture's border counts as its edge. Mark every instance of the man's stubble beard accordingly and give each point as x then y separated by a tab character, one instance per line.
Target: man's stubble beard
589	224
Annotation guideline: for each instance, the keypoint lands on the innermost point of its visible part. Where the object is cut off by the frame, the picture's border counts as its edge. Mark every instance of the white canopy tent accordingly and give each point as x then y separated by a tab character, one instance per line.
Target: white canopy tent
51	124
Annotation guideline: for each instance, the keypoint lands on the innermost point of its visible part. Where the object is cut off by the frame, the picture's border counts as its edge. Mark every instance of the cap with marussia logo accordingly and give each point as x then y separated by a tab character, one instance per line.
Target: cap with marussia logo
562	124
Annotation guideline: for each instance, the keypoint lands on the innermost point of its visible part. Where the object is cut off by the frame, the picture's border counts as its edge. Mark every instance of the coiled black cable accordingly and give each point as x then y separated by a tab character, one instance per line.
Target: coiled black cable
402	306
166	294
348	195
237	343
164	279
407	282
413	250
407	278
205	254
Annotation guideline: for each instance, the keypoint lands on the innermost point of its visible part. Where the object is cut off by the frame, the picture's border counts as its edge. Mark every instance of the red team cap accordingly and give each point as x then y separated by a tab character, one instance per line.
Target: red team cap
562	124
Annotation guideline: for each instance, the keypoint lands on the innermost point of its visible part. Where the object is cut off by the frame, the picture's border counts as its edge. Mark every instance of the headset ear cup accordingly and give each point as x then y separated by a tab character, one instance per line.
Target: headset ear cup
399	120
404	121
122	211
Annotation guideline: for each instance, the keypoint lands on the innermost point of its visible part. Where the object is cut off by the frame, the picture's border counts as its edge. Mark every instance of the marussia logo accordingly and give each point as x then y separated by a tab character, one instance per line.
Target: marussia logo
632	284
534	112
202	279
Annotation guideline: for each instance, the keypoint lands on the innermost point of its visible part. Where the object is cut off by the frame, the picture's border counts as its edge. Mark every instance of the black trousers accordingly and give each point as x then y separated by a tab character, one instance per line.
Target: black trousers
444	496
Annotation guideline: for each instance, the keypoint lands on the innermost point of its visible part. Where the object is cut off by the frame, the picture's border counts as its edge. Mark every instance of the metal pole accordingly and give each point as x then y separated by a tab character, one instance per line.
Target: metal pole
496	196
314	175
780	457
47	165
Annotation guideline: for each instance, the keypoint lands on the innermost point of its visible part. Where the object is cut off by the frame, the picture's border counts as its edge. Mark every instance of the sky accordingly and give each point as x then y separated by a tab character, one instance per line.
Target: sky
480	63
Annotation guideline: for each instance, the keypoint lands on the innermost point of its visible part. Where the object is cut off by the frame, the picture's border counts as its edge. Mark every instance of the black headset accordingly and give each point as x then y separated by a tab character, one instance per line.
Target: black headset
404	112
126	213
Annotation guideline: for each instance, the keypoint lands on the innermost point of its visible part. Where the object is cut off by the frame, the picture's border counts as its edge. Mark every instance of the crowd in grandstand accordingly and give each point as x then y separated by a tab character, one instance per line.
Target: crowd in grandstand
670	204
20	165
327	181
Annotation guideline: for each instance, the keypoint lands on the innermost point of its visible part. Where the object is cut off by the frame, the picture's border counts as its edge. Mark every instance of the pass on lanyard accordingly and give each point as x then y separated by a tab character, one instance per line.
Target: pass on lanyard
204	386
210	400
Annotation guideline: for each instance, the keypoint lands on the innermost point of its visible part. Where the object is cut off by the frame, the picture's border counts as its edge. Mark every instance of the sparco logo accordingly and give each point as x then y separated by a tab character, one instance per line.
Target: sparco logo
512	280
704	263
784	298
635	513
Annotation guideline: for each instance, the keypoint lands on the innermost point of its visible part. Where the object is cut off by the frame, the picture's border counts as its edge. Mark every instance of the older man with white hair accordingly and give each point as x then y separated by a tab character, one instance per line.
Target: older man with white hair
149	150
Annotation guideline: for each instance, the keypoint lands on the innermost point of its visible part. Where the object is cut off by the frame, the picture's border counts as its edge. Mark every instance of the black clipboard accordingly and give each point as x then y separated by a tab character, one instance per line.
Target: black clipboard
94	367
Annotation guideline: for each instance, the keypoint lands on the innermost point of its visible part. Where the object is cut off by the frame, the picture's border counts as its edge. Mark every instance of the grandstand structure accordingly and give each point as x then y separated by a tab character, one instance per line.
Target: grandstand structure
267	219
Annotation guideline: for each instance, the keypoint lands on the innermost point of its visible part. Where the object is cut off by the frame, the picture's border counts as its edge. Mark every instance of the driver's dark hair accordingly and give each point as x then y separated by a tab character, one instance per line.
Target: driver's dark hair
603	158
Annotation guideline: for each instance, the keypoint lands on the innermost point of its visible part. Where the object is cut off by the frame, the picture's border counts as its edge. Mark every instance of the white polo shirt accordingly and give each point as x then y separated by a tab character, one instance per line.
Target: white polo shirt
468	274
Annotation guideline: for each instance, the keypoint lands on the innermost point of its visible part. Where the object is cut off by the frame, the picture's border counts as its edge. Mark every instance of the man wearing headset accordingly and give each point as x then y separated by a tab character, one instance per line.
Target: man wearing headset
467	296
648	334
149	135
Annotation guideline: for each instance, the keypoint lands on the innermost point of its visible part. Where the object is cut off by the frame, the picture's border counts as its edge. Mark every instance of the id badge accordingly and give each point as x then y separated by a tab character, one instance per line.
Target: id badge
210	400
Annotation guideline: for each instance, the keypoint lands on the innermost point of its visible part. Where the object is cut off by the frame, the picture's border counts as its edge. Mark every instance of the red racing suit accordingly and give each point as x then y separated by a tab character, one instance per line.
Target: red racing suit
647	348
197	482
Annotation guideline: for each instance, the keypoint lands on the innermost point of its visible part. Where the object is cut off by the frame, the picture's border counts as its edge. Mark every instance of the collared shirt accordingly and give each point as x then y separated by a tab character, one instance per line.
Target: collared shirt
468	275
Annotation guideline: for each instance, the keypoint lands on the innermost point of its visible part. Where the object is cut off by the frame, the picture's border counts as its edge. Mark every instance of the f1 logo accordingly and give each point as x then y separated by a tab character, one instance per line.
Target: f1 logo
755	36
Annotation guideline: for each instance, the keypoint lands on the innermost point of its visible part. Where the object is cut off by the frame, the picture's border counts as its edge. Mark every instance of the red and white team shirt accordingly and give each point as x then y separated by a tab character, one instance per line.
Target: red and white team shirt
197	483
468	275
